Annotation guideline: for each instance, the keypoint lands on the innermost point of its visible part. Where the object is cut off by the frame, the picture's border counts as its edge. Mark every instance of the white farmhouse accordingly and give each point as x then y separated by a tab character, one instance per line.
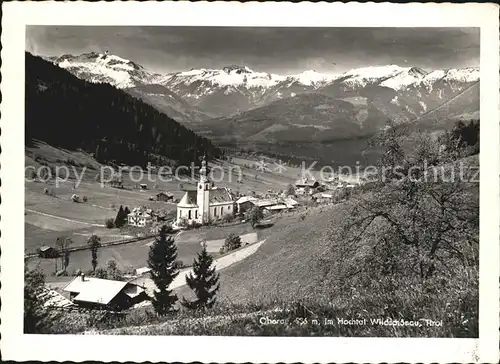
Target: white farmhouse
205	204
140	217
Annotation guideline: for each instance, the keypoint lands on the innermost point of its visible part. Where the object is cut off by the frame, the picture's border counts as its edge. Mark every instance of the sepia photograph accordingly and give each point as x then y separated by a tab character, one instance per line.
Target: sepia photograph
252	181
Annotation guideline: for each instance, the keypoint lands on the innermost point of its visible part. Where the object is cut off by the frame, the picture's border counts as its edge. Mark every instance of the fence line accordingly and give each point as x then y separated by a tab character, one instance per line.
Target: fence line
103	245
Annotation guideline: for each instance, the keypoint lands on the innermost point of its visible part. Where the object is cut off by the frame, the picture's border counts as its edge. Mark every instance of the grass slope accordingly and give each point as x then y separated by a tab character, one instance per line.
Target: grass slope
285	267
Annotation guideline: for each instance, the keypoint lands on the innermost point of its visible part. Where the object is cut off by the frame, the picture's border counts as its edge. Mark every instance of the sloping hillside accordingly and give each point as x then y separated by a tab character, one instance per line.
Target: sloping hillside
65	111
168	103
286	266
306	117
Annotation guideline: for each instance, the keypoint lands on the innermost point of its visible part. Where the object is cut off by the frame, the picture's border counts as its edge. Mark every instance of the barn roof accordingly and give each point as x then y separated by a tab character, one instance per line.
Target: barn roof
246	199
95	290
265	203
290	202
143	270
306	182
51	298
277	207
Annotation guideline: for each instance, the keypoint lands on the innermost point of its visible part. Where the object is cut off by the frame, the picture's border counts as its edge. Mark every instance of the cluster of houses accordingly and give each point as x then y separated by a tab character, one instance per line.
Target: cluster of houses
206	202
273	204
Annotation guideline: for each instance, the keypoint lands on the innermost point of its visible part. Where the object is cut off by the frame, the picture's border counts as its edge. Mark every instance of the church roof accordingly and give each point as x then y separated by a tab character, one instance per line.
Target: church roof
220	195
217	195
188	200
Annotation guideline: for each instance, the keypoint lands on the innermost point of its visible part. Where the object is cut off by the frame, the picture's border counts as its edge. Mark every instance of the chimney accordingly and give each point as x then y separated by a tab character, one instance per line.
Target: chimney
83	277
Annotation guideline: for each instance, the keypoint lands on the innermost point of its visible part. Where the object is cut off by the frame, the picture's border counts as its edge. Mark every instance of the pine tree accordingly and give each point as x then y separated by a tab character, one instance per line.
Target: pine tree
204	282
119	220
161	261
97	154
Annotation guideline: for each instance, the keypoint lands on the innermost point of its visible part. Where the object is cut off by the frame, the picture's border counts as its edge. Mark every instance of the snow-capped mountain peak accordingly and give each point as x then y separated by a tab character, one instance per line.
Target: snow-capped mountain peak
106	68
392	76
404	77
229	76
311	78
235	88
237	69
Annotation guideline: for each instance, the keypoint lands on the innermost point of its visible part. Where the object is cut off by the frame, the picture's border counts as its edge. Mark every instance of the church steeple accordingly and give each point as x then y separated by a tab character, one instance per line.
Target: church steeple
203	171
203	194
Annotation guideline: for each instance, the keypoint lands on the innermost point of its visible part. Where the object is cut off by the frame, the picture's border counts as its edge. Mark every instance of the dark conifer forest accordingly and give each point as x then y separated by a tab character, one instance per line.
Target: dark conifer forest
67	112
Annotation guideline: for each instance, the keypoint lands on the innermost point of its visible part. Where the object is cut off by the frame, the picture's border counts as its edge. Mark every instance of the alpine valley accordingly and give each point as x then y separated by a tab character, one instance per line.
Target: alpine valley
236	105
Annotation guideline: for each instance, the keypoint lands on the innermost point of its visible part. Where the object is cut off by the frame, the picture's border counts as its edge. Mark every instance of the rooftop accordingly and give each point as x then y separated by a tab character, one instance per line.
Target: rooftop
246	199
277	207
220	195
264	203
306	182
188	200
95	290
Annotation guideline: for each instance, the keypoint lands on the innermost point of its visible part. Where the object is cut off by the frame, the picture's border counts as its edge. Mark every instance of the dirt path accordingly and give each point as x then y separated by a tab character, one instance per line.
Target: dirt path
64	218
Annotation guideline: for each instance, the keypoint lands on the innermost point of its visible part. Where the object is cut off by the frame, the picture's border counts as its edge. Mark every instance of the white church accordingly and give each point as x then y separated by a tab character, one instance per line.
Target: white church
207	203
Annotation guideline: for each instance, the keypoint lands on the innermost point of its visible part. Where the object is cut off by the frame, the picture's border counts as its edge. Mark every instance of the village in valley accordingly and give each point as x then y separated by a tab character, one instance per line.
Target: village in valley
250	204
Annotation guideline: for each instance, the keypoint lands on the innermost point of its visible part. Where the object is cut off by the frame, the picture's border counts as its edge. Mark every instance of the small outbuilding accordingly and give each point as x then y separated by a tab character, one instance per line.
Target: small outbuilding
245	203
305	182
164	196
47	252
142	271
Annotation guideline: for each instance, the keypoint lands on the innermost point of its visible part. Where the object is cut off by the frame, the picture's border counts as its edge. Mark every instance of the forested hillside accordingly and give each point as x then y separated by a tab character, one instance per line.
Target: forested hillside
65	111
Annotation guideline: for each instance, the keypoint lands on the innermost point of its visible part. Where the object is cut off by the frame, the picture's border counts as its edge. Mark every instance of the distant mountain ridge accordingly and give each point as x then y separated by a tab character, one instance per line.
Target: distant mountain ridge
133	79
235	93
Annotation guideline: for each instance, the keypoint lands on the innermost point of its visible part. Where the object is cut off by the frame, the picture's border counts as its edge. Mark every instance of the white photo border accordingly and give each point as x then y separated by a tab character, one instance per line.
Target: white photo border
17	346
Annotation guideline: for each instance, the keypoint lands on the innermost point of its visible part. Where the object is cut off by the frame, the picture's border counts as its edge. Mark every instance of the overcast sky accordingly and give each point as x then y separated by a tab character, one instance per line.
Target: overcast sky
278	50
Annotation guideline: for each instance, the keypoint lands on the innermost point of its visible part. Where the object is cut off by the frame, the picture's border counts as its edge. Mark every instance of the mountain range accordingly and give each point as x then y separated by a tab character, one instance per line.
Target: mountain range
238	103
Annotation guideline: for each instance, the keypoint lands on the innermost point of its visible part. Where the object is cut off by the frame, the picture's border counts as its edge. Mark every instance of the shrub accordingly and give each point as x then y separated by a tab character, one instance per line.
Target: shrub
100	273
110	223
232	242
85	199
183	222
228	218
178	264
113	271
